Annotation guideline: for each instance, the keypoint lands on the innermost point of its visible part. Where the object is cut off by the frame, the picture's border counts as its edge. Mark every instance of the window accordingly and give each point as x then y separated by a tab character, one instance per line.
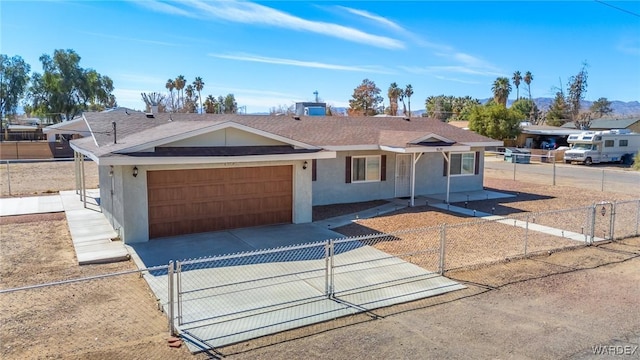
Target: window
365	168
608	143
624	142
463	164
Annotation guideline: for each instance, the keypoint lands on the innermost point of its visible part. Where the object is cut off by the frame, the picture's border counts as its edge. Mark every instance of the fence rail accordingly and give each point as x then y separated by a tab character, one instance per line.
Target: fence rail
230	298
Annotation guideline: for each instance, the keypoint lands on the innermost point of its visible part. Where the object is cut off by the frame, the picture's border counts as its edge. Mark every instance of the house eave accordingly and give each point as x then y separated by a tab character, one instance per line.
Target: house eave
136	160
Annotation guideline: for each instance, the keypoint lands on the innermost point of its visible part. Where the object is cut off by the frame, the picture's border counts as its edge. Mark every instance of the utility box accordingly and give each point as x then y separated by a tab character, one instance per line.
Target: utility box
516	155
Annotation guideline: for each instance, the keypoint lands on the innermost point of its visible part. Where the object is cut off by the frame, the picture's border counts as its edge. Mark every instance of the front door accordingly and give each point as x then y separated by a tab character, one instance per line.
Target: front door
403	175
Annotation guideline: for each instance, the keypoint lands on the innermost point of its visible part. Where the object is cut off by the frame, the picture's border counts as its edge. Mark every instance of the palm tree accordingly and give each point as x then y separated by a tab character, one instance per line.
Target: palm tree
198	84
501	89
393	93
527	80
170	85
408	91
210	105
517	77
189	103
180	83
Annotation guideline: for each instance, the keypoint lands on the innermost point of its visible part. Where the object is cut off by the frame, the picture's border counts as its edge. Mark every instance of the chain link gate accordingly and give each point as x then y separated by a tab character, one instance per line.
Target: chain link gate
603	215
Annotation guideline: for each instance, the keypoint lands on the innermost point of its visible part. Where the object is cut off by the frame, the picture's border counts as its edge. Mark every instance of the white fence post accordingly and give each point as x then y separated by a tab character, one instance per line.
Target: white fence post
170	294
443	243
526	235
593	224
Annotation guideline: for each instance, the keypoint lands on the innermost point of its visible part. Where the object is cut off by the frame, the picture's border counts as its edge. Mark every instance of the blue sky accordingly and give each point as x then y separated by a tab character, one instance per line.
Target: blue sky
274	53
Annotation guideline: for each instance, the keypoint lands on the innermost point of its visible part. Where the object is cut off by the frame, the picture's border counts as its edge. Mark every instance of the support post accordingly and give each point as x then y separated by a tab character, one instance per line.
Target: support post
554	168
612	220
9	177
526	236
170	295
331	266
443	243
593	224
76	172
178	275
84	183
326	268
515	160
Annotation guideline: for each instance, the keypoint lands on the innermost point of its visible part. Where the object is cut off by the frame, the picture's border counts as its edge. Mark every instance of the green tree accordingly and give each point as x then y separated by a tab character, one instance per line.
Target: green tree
558	112
198	84
576	90
439	107
191	99
211	105
517	77
526	107
14	79
393	93
66	89
528	77
230	105
365	99
408	92
601	107
501	89
495	121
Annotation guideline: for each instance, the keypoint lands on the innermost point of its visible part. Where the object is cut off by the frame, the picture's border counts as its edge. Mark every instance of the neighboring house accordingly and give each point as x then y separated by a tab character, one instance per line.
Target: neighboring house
67	130
171	174
632	124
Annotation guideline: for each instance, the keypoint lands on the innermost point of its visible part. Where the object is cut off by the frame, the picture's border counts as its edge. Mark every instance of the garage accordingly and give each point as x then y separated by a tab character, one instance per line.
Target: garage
201	200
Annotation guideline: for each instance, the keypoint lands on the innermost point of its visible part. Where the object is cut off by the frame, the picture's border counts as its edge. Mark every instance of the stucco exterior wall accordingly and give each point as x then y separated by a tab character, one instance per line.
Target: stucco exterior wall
226	137
331	187
130	204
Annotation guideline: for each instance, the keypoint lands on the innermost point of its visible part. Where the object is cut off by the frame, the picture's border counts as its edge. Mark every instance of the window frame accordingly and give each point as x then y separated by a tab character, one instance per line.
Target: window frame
623	142
462	156
366	163
609	143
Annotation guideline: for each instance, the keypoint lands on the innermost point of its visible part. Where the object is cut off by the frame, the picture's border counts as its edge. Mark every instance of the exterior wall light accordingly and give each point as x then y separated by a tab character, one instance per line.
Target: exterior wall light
135	171
304	165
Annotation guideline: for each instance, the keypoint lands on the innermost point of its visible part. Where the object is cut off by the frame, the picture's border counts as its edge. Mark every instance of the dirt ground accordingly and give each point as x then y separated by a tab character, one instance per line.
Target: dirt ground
108	318
41	178
548	307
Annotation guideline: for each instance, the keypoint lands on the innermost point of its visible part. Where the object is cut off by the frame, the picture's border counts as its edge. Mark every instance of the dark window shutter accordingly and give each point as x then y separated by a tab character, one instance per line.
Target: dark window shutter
446	165
347	170
477	171
383	168
314	169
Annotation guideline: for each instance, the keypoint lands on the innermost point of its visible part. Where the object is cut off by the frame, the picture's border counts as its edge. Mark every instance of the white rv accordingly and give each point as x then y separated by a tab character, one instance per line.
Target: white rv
592	147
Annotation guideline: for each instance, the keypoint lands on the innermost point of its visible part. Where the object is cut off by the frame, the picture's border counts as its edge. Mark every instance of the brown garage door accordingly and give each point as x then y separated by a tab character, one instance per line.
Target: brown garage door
201	200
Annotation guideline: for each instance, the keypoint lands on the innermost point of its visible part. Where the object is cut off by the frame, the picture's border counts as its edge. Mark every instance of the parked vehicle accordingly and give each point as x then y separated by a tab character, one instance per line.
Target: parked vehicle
592	147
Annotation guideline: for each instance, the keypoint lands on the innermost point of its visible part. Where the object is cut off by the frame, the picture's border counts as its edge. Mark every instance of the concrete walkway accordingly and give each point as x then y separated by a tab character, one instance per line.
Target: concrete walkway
94	240
90	230
30	205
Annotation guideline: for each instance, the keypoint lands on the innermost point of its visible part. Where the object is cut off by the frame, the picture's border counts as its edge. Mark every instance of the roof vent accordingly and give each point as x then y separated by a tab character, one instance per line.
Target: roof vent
150	115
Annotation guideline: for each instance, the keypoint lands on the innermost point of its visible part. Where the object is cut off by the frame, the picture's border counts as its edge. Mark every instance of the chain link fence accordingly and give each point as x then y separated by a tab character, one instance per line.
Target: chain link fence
112	316
227	299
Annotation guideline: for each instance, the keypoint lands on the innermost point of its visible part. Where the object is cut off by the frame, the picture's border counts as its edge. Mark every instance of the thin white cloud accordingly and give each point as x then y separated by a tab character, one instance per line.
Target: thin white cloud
629	46
300	63
122	38
163	7
251	13
377	18
456	80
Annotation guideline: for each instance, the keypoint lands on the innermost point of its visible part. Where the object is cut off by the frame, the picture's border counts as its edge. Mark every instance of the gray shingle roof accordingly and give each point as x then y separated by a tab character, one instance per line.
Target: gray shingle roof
136	129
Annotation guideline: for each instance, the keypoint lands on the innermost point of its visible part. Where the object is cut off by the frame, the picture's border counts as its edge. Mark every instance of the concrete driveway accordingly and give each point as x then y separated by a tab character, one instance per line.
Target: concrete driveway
160	251
275	284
